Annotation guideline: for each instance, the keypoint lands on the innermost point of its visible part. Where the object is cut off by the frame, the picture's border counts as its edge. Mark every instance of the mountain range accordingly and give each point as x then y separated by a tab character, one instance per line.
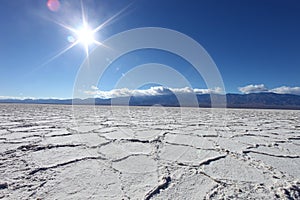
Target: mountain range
252	100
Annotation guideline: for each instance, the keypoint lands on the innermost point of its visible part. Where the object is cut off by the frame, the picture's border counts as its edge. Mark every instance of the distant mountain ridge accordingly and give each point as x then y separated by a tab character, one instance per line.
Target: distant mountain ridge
252	100
263	100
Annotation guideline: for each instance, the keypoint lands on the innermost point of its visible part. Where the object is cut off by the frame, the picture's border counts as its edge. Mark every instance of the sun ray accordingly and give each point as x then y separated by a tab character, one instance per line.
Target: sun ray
60	53
83	14
111	18
85	34
65	26
54	57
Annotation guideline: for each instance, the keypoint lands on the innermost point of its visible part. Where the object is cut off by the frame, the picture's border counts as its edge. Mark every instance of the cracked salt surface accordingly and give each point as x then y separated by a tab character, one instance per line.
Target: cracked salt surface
148	153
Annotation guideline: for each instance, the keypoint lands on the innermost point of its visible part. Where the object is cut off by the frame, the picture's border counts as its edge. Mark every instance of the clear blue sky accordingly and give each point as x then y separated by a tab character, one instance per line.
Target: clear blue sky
251	41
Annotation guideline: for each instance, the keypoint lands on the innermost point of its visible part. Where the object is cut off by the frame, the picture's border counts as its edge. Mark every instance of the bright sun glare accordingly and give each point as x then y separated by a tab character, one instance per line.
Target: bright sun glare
85	36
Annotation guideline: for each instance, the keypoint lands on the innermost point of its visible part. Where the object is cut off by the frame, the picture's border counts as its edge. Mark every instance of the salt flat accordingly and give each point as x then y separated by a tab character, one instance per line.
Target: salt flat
56	152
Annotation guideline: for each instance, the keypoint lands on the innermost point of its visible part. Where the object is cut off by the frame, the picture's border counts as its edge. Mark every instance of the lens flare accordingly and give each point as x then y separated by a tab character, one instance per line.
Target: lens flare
53	5
71	39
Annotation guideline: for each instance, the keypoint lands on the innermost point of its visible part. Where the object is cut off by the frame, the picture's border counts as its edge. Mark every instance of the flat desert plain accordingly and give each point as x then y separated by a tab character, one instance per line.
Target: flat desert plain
103	152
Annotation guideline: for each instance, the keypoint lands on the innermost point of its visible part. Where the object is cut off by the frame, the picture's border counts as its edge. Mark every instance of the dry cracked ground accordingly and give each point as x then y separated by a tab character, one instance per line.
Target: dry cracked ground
87	152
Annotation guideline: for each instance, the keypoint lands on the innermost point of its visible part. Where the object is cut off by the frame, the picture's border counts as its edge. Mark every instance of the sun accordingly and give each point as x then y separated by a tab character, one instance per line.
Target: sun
85	35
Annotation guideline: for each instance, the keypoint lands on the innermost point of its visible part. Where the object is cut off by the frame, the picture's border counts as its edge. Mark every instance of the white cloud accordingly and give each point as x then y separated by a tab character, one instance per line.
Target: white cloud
153	91
253	89
286	90
216	90
262	88
94	87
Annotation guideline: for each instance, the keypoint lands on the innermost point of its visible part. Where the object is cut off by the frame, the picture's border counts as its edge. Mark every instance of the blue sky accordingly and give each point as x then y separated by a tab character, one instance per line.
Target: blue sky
254	43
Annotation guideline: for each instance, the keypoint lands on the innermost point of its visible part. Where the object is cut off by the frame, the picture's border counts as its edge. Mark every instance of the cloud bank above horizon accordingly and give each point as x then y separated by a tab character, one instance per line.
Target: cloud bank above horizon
152	91
262	88
160	90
